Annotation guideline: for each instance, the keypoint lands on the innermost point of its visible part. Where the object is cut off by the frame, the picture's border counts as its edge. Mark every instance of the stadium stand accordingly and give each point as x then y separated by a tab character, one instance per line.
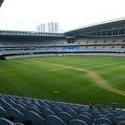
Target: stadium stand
102	38
107	39
16	110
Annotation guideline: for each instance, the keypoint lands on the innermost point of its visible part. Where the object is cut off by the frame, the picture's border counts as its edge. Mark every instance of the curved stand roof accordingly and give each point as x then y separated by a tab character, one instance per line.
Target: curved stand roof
103	29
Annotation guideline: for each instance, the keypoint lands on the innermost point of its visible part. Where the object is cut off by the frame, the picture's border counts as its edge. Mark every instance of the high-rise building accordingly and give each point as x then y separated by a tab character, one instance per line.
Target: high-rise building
51	27
57	27
41	28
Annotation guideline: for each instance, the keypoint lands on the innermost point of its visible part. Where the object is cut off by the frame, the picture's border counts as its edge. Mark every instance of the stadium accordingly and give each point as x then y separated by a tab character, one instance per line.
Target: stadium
70	78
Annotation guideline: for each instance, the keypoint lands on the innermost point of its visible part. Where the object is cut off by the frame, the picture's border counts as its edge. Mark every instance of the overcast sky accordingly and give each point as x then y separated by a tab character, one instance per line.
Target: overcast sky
26	14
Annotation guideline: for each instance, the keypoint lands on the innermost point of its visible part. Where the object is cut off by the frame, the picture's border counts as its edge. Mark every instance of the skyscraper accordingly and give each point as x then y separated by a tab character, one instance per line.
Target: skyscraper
41	28
51	27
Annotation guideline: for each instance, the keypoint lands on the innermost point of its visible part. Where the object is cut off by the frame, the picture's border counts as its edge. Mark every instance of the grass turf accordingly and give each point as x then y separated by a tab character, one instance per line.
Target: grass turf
25	77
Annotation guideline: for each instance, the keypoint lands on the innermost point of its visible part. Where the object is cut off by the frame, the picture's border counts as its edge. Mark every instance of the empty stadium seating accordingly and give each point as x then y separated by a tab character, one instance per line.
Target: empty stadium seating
11	43
26	111
18	46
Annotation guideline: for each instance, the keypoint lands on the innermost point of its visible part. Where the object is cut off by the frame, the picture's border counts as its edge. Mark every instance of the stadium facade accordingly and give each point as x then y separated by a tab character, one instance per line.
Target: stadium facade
106	37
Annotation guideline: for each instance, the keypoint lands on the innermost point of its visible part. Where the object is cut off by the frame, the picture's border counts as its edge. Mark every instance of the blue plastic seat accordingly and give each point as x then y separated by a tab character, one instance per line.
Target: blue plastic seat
118	119
57	110
72	112
47	112
111	116
16	114
19	124
3	112
5	104
65	116
77	122
4	121
20	108
103	121
54	120
34	109
35	118
121	123
84	118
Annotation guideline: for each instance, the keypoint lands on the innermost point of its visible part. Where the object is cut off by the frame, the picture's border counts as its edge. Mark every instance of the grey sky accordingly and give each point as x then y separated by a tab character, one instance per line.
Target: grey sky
26	14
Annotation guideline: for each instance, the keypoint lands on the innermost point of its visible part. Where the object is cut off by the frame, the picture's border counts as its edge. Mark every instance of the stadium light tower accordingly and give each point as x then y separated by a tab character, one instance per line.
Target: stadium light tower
1	1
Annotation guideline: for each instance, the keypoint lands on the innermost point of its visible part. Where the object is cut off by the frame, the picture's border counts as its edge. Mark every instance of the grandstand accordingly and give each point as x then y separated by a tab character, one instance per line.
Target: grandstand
102	38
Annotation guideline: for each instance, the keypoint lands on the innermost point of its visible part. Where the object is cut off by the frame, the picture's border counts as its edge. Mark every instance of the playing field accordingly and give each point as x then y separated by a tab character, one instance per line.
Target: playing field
77	79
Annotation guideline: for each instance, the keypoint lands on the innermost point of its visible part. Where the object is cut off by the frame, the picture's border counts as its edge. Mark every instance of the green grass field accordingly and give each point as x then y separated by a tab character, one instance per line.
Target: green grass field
47	77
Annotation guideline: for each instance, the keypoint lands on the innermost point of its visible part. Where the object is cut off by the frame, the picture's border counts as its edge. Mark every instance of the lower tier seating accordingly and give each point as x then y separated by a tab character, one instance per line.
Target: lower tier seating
25	111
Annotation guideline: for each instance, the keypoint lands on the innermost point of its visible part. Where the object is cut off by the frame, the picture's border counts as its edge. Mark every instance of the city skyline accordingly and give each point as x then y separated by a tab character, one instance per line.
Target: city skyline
27	14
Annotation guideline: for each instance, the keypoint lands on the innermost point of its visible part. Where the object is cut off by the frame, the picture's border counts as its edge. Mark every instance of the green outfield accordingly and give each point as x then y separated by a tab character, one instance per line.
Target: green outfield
77	79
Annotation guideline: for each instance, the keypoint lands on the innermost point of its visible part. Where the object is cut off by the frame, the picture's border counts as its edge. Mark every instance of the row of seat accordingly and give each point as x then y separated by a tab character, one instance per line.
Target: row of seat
25	111
43	50
31	43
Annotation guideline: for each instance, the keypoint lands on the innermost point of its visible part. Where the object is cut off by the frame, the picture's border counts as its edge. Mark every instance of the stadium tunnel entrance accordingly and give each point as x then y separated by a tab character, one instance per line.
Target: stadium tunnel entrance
70	39
2	57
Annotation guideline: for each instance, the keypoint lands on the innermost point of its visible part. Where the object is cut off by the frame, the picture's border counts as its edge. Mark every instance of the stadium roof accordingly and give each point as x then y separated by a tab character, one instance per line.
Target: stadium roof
1	1
27	33
101	29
